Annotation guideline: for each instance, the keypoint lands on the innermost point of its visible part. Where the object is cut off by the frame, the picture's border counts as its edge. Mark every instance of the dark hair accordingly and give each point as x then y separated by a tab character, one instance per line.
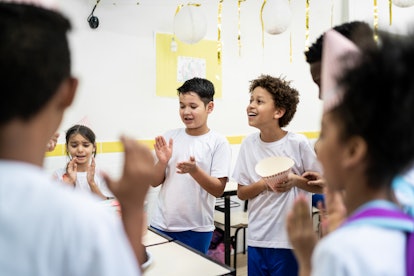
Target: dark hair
283	95
359	32
85	131
34	58
202	87
378	106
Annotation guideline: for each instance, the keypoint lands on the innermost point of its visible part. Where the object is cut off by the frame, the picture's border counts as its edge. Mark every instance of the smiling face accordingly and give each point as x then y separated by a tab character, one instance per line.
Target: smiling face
80	148
261	111
194	113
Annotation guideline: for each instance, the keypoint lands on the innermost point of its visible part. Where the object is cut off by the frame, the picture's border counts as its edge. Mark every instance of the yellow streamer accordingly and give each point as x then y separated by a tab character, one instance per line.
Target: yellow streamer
390	8
375	20
261	19
219	45
238	25
307	26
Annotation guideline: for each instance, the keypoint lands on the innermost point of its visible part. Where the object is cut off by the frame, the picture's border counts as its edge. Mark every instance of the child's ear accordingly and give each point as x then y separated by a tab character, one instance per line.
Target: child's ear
279	112
210	107
356	151
67	91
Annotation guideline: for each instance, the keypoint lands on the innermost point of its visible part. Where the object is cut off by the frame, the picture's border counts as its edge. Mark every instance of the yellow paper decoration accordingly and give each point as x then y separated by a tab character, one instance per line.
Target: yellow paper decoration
219	45
238	25
261	19
307	26
390	9
375	20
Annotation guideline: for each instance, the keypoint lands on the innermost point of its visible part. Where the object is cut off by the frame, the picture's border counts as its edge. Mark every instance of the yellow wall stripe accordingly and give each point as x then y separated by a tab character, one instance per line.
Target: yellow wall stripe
116	146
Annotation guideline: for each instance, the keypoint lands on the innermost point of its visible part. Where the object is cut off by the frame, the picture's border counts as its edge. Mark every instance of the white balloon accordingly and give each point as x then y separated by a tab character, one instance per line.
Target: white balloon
276	16
190	24
403	3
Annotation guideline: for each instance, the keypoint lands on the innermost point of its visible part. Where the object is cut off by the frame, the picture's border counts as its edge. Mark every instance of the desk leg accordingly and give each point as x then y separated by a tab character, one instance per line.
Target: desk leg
227	239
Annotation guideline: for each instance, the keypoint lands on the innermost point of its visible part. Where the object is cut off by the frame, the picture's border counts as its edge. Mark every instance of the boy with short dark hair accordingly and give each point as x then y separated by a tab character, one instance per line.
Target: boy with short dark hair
192	169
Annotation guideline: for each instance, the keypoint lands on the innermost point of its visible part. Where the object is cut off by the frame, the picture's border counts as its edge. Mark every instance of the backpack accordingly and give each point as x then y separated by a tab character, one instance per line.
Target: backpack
394	219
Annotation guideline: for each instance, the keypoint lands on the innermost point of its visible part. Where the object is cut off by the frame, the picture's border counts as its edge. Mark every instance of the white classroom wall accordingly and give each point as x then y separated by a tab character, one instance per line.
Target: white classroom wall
116	64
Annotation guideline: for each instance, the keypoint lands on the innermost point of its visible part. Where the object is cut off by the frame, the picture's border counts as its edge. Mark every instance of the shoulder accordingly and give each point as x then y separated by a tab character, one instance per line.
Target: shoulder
297	137
217	136
251	138
174	133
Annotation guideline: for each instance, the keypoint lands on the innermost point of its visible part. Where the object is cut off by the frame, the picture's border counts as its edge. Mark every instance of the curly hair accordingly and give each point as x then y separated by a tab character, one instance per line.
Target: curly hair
378	106
284	96
358	32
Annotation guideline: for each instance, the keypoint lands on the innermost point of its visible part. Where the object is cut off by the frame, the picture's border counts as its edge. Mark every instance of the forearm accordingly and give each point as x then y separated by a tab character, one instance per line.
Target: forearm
132	219
159	173
212	185
302	183
245	192
95	189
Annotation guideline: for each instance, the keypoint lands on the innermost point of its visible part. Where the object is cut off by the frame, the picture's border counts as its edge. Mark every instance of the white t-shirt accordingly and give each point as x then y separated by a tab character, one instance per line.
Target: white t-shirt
47	229
360	250
82	182
182	203
268	210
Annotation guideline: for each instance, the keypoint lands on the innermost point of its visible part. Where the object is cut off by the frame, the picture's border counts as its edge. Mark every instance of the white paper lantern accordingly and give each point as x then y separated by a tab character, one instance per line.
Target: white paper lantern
403	3
276	16
190	24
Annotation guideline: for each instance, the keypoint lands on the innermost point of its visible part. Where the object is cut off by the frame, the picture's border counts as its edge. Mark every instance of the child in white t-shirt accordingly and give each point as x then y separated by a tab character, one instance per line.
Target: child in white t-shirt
80	172
272	106
192	169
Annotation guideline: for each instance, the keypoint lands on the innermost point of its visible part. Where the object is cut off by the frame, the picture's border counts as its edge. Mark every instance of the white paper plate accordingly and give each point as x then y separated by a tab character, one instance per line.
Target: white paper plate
273	165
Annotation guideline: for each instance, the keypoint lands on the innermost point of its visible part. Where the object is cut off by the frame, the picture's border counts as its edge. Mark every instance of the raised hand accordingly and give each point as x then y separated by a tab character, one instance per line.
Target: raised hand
71	172
90	172
186	166
52	142
301	233
162	149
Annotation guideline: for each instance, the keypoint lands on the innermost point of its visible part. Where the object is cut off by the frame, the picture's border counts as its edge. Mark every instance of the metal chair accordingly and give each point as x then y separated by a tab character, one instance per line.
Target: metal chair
238	221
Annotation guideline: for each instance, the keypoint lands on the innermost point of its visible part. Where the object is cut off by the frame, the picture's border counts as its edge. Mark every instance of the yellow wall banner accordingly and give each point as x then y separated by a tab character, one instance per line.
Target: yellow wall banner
187	61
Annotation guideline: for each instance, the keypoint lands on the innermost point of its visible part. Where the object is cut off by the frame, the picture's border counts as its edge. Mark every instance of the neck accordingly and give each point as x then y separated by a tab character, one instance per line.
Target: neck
354	200
197	131
272	134
15	144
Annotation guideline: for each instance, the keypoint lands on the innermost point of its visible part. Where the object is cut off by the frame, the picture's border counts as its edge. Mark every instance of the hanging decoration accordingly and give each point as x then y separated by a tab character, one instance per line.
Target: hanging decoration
390	10
403	3
276	16
238	25
219	45
261	21
307	26
375	20
190	23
